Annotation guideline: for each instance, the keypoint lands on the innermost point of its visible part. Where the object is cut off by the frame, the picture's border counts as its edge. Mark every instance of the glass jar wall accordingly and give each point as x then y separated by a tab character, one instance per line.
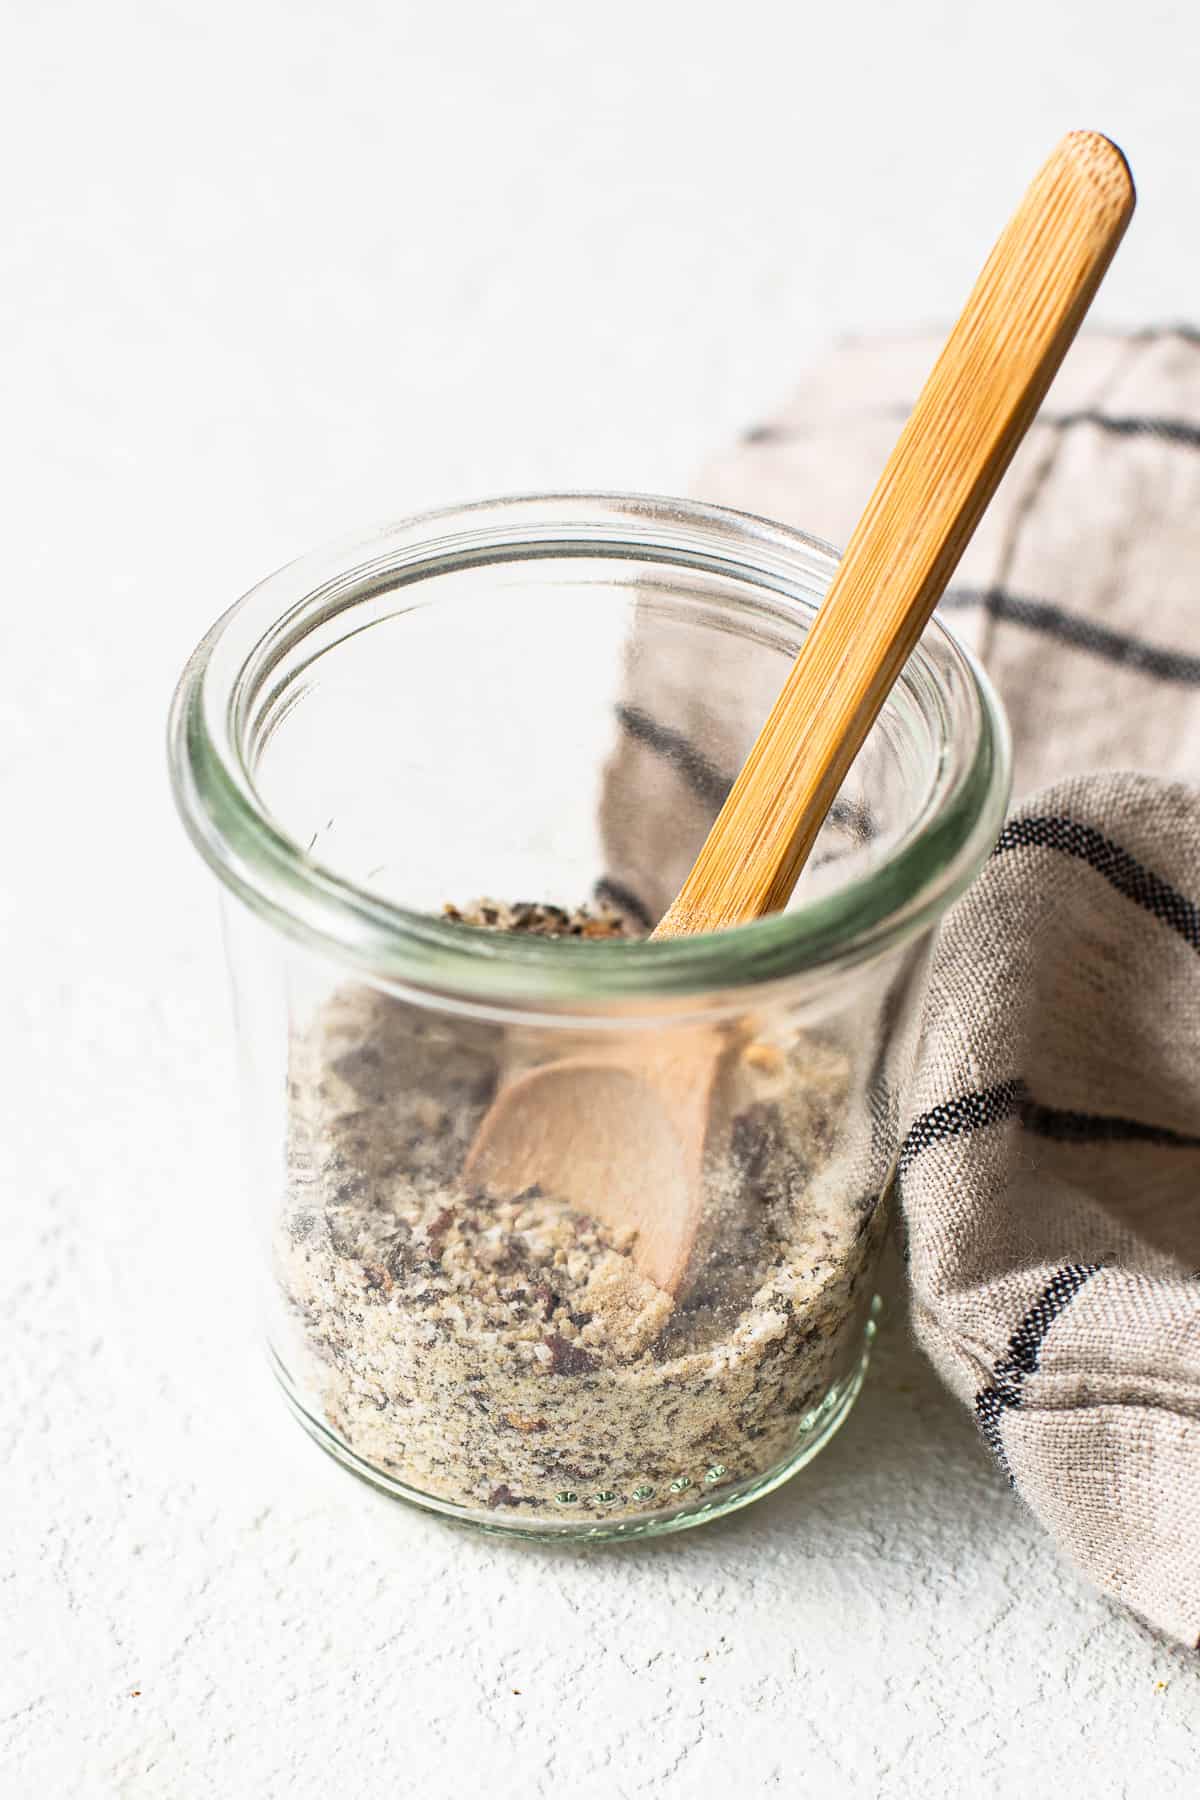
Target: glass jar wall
545	701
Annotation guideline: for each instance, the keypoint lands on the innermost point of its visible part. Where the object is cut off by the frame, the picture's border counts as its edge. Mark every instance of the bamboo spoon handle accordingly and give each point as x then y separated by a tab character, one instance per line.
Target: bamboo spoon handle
977	404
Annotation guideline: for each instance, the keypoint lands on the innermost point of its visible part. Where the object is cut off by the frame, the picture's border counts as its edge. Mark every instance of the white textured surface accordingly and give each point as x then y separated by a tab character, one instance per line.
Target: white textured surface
275	270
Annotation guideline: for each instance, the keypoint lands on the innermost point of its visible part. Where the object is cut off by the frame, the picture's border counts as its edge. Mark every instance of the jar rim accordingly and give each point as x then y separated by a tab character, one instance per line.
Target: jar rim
870	913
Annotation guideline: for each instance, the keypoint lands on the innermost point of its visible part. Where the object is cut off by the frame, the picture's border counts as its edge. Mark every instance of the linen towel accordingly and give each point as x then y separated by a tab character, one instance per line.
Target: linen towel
1050	1171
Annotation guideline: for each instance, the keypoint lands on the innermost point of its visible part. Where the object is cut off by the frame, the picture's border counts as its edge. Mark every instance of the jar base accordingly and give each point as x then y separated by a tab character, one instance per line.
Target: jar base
699	1508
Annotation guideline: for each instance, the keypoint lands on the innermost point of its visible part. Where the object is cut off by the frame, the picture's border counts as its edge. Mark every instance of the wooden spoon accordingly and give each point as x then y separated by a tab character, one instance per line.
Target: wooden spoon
623	1137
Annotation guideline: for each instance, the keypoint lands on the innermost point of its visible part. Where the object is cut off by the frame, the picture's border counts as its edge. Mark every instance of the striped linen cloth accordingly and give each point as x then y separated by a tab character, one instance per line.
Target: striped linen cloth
1050	1170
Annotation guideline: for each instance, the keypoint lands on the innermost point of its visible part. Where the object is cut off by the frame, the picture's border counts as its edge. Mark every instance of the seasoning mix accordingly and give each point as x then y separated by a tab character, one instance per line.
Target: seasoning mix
503	1355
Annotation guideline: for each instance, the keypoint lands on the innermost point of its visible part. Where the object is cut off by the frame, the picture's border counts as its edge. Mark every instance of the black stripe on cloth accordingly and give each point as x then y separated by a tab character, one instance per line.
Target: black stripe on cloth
1066	1127
1082	634
1121	870
704	778
953	1118
1004	1392
1012	1099
1180	329
617	895
698	773
1170	431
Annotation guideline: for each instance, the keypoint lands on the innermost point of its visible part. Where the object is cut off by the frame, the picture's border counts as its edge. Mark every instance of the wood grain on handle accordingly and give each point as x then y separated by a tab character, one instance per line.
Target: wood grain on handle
975	407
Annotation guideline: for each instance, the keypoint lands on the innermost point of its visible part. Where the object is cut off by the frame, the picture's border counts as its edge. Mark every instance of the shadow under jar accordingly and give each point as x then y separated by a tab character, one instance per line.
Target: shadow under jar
546	700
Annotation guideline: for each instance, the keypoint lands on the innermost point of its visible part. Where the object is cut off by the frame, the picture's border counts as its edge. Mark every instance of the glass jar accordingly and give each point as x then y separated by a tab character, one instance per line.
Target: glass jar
545	700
